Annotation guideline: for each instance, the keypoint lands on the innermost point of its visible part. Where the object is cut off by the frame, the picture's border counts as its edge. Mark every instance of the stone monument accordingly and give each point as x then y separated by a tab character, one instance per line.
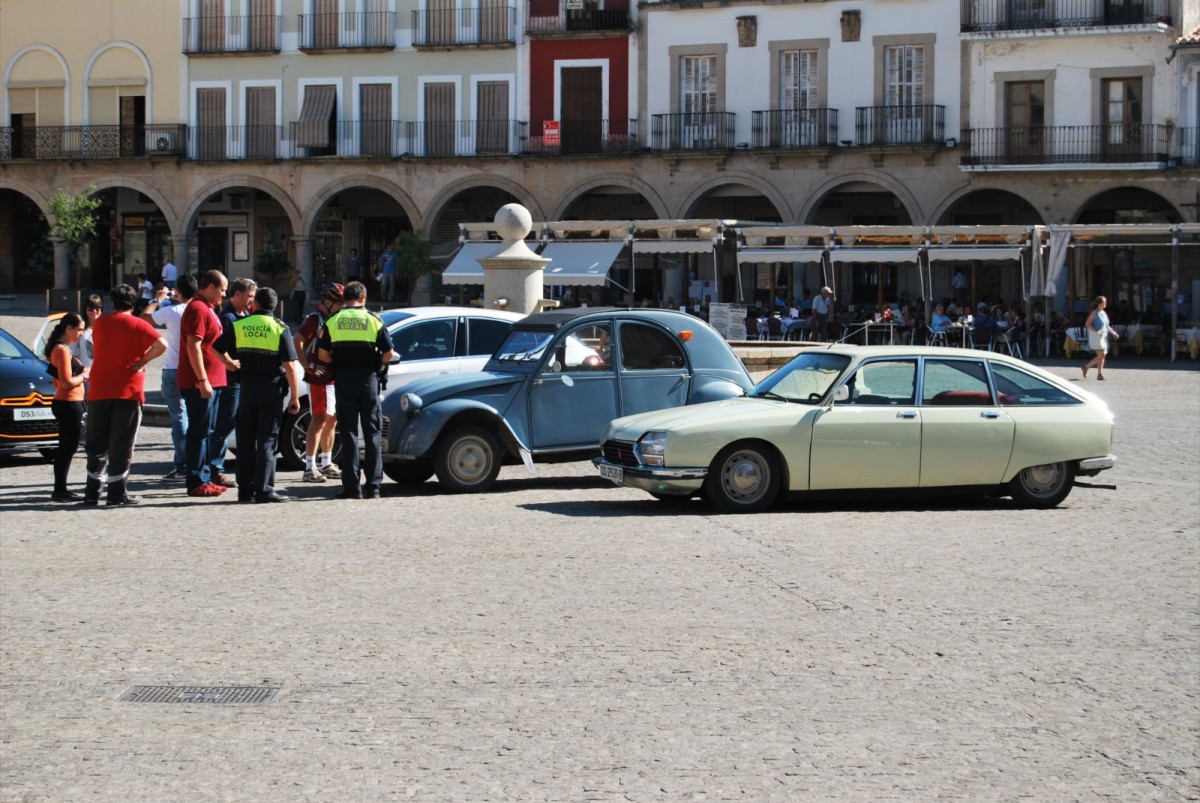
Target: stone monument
512	277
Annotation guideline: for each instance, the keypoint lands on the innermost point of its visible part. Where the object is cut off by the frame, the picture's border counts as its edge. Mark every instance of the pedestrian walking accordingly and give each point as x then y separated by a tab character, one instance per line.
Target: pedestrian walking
201	372
170	273
1098	332
238	305
69	377
387	274
355	343
116	393
167	312
322	425
262	345
354	266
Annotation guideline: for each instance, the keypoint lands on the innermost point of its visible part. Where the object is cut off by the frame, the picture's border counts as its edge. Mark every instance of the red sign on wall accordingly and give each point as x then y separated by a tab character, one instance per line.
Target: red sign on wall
550	132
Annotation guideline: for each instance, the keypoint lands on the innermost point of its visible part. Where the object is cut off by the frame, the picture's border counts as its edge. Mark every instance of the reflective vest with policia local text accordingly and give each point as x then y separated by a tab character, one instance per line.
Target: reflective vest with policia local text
353	332
257	338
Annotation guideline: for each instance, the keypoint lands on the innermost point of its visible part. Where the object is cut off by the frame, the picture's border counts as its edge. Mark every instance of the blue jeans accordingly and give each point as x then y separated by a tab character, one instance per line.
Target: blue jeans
200	412
224	423
170	392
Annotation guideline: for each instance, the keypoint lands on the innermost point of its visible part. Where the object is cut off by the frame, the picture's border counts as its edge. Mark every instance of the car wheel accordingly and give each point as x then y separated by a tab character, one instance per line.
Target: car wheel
408	473
292	432
467	460
1042	486
744	478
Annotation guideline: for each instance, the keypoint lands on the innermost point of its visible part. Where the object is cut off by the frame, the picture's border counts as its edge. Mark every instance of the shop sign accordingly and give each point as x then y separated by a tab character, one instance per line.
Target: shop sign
135	222
551	132
222	221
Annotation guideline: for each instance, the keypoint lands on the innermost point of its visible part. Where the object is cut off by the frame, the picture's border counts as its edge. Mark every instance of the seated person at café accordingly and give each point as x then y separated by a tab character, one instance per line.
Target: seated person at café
984	322
940	320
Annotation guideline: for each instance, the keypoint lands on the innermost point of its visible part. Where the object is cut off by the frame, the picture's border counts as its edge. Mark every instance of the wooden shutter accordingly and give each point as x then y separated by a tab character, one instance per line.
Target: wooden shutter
260	122
375	112
582	103
494	21
325	23
212	26
493	117
210	123
439	22
439	119
262	25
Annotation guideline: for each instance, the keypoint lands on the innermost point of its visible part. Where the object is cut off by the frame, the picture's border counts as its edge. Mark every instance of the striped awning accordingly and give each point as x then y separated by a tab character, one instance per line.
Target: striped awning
312	129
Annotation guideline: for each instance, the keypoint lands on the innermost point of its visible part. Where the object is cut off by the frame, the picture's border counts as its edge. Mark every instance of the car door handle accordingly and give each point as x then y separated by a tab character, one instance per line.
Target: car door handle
537	381
906	414
990	414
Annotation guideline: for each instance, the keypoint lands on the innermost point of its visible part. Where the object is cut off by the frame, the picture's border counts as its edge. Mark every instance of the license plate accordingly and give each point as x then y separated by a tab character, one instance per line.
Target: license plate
614	473
32	413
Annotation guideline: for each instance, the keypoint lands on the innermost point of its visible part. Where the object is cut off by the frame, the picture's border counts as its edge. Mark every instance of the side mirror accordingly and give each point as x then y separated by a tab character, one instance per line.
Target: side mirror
841	394
395	360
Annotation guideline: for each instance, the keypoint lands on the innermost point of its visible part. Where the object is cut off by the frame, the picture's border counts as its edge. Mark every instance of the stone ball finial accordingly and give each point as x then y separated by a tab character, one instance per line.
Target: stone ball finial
513	222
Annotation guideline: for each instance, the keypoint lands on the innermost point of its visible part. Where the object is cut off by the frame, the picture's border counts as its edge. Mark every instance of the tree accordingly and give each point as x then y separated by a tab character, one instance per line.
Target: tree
412	258
75	221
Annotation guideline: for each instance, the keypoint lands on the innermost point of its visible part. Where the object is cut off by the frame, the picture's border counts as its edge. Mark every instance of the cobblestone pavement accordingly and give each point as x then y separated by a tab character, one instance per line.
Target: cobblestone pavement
564	639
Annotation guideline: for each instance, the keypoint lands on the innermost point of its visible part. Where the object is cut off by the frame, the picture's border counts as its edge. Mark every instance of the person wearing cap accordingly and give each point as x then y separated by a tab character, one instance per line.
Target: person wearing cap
322	426
822	303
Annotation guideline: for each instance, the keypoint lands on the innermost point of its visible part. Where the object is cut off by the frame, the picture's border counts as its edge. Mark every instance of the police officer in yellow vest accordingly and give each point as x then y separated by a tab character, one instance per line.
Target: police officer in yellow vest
356	345
263	346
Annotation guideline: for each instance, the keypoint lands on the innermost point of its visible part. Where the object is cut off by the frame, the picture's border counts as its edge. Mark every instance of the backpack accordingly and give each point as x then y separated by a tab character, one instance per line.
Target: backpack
318	371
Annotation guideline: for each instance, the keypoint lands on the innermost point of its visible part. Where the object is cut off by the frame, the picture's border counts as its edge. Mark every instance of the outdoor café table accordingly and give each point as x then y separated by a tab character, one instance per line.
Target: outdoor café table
961	331
1074	340
1191	339
881	327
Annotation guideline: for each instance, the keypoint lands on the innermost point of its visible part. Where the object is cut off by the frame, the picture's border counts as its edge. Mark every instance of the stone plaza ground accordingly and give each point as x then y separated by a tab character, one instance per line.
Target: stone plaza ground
564	639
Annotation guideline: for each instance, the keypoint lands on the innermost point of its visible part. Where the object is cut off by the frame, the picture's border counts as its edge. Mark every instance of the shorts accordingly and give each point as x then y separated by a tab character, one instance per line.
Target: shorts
322	400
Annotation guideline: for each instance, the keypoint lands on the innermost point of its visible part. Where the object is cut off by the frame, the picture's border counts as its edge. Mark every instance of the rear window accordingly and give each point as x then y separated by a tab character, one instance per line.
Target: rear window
956	382
484	335
1016	387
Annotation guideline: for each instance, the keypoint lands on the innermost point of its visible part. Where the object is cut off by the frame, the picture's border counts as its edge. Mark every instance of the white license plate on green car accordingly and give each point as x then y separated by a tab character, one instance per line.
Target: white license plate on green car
614	473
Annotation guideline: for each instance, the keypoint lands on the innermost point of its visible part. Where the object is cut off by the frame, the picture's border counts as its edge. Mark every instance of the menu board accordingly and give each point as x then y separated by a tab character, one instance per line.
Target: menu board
729	320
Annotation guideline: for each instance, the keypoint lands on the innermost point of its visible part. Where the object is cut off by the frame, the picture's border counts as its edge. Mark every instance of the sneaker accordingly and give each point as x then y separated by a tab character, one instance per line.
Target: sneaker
206	490
224	480
313	475
331	472
174	475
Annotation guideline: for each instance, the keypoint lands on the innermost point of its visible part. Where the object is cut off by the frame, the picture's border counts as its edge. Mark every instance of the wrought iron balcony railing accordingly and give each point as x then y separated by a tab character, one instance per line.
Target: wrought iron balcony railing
984	16
375	139
222	142
586	136
793	128
466	137
899	125
358	30
257	33
589	20
1188	148
1072	144
485	24
93	141
692	131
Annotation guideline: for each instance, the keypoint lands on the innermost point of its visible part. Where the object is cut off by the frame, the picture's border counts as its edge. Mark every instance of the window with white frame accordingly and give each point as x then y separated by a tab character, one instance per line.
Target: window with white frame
905	75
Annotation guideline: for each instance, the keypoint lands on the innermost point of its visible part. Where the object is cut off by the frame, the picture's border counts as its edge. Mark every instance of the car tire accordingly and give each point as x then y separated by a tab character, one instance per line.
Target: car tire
1042	486
744	478
467	460
408	473
292	432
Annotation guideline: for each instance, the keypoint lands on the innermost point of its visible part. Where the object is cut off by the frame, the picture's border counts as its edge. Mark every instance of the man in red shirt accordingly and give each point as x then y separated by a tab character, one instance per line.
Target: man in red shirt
123	345
201	369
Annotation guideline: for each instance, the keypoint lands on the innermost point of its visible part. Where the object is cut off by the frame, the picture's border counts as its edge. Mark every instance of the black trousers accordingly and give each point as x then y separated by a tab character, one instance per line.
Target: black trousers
111	432
358	406
259	415
69	415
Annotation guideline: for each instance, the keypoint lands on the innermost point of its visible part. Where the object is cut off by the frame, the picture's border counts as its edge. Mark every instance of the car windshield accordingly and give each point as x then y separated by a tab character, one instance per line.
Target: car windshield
524	345
392	317
805	379
11	348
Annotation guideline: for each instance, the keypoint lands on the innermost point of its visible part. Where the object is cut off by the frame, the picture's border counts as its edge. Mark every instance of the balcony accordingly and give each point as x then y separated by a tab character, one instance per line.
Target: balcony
164	140
692	131
466	137
1066	145
582	20
899	125
793	128
373	139
989	16
207	143
582	137
487	24
366	30
1188	148
250	34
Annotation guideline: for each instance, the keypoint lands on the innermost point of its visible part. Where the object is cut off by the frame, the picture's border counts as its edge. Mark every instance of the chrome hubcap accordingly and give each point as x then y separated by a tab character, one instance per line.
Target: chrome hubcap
745	475
1043	480
470	460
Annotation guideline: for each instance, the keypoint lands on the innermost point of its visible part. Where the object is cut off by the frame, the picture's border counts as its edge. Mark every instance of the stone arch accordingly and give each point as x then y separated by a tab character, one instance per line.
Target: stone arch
29	191
12	65
965	190
149	190
887	182
1091	199
188	217
632	183
768	190
496	182
359	180
146	71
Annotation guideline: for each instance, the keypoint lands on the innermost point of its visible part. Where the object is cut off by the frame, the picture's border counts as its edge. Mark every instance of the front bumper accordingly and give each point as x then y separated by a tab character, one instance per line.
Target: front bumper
675	481
1094	465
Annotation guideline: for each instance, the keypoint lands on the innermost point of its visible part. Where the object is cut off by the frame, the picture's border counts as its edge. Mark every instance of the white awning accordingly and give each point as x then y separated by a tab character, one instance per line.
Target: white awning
846	255
312	129
760	255
464	268
970	254
672	246
579	262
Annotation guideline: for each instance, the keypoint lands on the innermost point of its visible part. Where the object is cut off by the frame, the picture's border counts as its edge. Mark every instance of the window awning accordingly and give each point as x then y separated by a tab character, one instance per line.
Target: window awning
465	268
672	246
847	255
760	255
580	262
312	129
971	254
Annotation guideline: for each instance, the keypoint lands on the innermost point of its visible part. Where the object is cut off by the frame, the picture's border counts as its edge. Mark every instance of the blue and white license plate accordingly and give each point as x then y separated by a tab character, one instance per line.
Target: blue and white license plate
614	473
32	413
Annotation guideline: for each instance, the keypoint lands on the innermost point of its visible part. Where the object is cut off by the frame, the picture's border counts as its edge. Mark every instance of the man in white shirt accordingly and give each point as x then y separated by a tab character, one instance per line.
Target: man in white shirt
170	273
821	304
161	312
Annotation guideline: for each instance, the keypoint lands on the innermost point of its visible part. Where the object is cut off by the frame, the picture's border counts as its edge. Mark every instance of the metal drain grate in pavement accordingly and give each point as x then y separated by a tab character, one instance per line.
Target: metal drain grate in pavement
199	694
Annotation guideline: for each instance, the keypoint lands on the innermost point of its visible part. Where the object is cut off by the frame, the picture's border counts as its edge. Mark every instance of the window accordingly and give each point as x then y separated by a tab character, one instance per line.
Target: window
210	123
645	348
905	82
883	382
1025	114
375	112
956	382
425	340
1122	113
439	119
485	334
587	348
260	122
698	84
492	106
798	79
1019	388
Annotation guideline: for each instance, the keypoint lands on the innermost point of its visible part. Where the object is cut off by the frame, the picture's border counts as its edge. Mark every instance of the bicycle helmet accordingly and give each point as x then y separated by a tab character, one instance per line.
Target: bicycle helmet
332	291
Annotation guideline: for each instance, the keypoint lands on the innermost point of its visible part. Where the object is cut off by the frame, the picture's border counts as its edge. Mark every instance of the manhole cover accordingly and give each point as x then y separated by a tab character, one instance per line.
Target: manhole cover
199	694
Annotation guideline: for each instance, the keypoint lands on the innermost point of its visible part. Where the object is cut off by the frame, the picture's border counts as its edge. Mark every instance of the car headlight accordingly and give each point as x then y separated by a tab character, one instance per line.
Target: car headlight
652	449
410	403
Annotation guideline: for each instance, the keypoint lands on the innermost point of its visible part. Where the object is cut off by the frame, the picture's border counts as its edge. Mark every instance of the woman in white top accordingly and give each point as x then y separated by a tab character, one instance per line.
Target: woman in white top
1098	332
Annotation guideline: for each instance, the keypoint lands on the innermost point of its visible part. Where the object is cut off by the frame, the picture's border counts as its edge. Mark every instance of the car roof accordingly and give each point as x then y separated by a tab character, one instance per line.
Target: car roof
424	313
554	319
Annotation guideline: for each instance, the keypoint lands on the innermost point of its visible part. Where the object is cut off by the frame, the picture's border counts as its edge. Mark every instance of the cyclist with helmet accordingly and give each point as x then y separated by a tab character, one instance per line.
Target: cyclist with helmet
322	427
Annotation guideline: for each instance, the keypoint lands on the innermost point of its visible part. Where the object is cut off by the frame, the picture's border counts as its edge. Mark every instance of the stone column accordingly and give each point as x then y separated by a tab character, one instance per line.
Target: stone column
512	277
179	253
62	262
304	259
